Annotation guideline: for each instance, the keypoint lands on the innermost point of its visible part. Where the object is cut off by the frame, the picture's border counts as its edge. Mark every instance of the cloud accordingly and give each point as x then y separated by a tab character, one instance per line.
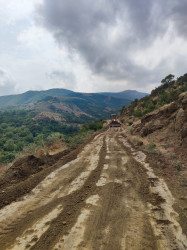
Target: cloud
6	83
108	35
180	17
65	79
101	45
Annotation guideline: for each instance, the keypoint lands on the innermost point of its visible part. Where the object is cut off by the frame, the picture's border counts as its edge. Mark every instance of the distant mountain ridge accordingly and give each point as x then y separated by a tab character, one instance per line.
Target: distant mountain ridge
35	96
66	105
32	97
127	94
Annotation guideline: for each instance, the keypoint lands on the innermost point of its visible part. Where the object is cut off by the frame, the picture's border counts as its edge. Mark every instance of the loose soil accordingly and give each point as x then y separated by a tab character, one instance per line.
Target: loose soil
106	195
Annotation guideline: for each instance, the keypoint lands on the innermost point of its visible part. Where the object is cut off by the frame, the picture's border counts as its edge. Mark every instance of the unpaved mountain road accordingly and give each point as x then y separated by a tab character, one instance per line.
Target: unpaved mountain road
108	198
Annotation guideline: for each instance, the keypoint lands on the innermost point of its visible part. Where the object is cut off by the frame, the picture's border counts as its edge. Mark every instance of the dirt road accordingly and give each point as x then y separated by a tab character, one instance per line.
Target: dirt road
108	198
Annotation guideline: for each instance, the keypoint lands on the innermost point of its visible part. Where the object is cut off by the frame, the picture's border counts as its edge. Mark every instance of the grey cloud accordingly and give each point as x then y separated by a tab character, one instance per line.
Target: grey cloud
179	15
86	26
6	84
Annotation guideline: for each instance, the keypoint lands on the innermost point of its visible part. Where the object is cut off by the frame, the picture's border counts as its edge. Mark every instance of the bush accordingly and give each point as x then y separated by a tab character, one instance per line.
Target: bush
163	98
138	113
9	145
79	138
151	149
177	165
96	125
6	157
151	146
54	137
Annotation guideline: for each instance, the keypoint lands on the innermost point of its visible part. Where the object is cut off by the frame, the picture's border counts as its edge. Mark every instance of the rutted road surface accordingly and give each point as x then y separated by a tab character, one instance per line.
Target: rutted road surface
108	198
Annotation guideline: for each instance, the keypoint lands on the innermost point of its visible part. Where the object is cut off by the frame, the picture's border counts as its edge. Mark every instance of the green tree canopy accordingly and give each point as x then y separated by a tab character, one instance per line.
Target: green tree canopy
168	79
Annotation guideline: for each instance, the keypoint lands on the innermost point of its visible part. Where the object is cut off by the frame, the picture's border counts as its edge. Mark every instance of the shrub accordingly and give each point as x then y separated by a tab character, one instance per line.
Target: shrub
130	122
9	145
6	157
163	98
79	138
96	125
177	165
138	113
54	137
151	148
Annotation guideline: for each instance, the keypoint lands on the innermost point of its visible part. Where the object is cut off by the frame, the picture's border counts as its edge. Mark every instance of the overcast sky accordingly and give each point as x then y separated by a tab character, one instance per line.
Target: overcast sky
91	46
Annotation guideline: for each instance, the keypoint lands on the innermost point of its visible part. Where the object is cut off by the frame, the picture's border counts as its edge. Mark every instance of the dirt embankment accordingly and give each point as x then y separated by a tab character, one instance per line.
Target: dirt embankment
30	170
166	127
162	134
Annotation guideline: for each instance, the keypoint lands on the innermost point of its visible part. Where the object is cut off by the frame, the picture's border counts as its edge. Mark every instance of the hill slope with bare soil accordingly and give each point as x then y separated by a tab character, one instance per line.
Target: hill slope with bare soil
158	125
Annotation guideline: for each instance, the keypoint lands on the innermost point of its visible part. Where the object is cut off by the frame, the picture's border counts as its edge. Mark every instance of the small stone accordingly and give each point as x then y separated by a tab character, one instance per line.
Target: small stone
64	223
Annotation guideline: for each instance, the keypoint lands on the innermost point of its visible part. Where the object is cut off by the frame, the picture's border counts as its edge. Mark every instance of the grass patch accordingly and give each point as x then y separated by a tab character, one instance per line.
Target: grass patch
151	149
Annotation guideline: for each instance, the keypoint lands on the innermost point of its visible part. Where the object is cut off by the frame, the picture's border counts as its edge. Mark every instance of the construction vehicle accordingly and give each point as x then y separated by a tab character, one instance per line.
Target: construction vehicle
114	122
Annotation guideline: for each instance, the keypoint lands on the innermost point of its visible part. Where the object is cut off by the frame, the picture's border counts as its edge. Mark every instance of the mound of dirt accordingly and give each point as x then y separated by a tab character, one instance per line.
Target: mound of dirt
30	170
22	169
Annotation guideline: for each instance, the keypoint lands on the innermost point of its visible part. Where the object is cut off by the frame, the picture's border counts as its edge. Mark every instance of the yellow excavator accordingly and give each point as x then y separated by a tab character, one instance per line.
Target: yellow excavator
114	121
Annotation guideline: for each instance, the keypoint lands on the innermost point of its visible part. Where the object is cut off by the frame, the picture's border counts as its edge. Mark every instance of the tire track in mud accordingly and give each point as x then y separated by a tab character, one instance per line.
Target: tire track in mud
73	203
106	199
163	218
13	192
110	218
30	216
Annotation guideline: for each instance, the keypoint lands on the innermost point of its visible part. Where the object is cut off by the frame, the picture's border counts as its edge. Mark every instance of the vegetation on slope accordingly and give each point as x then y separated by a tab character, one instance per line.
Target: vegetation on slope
167	92
84	133
75	110
19	129
31	97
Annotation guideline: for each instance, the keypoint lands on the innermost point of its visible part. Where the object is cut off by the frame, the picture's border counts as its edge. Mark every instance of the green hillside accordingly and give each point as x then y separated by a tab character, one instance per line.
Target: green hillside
167	92
64	105
19	130
35	96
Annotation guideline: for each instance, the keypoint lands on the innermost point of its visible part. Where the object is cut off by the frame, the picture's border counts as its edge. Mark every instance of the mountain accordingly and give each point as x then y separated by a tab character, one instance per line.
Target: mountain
35	96
69	105
127	94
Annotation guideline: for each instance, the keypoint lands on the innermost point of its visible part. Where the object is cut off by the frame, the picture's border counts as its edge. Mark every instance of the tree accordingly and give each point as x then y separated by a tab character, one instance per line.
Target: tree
168	79
9	145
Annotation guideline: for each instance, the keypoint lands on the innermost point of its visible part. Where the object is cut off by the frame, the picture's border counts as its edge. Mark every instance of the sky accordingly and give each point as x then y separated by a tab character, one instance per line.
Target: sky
91	46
